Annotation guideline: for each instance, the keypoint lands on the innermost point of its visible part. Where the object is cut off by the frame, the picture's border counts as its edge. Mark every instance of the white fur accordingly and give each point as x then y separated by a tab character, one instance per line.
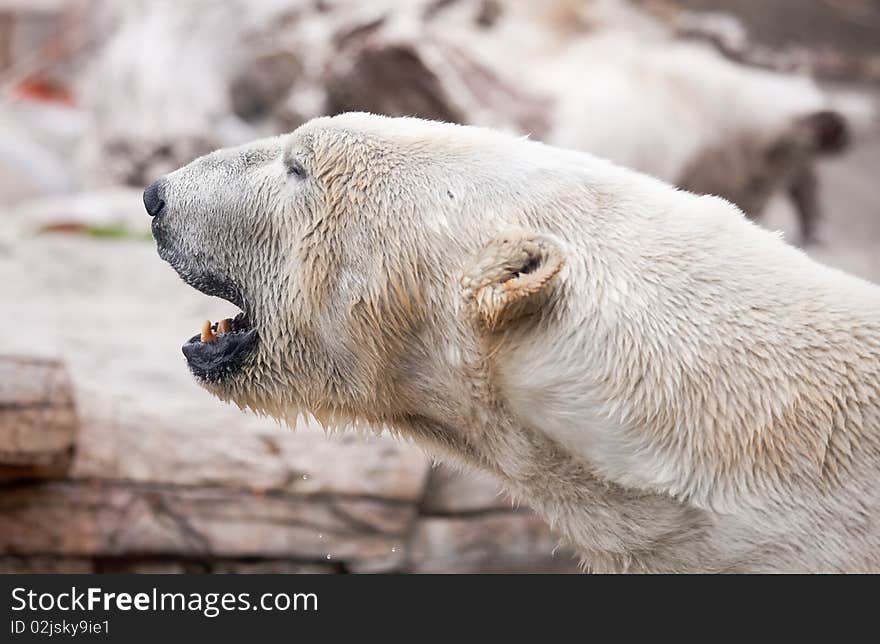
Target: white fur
671	386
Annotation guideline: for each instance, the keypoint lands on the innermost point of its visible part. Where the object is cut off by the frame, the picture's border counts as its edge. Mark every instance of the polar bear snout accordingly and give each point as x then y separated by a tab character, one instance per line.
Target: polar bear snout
154	197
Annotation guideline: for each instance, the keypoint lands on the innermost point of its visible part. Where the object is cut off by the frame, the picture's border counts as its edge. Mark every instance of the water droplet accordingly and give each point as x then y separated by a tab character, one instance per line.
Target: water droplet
394	549
305	477
328	556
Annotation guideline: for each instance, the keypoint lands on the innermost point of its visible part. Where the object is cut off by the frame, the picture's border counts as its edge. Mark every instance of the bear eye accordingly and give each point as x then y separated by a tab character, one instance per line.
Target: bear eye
296	168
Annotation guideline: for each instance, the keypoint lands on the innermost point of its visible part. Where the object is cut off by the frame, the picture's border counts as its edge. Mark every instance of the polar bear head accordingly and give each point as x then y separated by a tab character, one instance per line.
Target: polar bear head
377	264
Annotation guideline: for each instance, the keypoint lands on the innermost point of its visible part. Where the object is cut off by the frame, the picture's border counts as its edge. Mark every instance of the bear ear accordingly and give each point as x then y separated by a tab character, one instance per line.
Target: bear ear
511	276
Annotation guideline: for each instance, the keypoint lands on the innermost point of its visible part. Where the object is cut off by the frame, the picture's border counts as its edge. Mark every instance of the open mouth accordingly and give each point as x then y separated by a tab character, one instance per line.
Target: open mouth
221	348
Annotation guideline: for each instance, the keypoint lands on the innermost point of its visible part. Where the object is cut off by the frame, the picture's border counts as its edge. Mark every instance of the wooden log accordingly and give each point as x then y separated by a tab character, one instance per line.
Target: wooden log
94	519
487	542
38	422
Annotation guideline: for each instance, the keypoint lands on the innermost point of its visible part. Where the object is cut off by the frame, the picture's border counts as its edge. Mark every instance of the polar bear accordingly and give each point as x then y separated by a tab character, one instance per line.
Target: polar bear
670	386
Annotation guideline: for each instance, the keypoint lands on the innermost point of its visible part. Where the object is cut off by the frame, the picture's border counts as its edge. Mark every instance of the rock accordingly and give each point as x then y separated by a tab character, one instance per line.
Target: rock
391	79
433	80
44	565
136	134
38	423
115	566
29	26
272	566
833	39
450	491
260	87
161	565
199	566
492	542
118	520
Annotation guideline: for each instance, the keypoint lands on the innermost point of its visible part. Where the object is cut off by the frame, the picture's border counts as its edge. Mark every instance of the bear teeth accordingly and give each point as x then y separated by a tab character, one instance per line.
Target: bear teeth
208	332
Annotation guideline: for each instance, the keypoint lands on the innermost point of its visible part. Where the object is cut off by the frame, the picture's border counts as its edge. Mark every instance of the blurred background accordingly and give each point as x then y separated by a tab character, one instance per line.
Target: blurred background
113	460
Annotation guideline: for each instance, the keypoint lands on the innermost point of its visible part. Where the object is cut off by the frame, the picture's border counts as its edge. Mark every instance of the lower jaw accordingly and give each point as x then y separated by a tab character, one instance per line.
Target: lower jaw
221	358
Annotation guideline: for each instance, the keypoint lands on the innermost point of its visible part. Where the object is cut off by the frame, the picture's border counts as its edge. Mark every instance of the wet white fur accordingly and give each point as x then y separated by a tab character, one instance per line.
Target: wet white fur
691	394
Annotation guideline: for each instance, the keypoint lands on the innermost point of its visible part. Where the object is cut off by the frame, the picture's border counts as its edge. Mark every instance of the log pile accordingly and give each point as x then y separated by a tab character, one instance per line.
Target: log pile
38	422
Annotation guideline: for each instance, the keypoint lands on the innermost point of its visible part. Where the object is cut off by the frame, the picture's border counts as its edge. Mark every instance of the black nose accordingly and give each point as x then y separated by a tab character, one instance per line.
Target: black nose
154	197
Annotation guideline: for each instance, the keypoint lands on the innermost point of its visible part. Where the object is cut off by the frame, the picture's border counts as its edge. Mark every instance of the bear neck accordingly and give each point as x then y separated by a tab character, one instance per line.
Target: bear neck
713	377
